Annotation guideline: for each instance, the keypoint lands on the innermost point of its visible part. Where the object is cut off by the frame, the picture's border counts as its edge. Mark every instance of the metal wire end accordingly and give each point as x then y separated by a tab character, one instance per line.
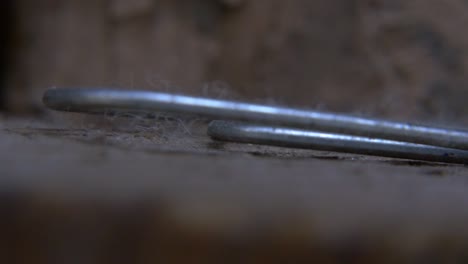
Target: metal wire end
307	139
109	100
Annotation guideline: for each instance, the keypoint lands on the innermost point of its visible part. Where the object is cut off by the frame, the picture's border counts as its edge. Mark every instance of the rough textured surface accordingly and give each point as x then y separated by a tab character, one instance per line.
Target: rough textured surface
104	190
397	58
92	195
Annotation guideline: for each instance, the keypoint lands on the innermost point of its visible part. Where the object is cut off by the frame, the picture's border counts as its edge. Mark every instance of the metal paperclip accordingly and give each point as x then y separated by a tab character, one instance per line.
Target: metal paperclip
307	139
361	131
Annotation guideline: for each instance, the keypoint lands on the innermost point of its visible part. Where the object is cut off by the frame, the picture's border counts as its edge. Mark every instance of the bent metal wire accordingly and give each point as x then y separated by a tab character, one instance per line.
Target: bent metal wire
108	100
300	138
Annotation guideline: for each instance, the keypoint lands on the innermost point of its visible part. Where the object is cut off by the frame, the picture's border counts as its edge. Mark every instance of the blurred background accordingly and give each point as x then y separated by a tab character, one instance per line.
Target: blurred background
69	194
390	58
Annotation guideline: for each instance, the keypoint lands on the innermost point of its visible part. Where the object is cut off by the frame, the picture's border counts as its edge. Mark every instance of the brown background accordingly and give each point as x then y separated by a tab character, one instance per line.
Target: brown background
150	191
404	59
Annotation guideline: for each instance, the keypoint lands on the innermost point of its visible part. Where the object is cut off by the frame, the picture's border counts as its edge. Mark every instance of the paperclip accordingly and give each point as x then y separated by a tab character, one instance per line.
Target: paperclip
109	100
316	140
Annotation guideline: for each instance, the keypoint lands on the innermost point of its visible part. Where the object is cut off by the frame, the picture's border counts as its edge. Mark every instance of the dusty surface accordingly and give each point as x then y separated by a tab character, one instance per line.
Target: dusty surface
103	190
96	194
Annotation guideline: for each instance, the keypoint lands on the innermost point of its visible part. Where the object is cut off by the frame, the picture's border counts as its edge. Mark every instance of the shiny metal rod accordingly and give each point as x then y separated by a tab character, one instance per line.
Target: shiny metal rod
299	138
108	100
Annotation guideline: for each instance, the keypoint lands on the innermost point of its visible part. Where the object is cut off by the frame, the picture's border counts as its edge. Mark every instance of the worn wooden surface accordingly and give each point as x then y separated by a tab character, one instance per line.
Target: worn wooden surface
141	193
104	190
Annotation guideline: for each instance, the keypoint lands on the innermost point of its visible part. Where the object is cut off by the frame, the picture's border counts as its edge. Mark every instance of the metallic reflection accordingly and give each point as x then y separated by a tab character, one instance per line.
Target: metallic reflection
108	100
299	138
